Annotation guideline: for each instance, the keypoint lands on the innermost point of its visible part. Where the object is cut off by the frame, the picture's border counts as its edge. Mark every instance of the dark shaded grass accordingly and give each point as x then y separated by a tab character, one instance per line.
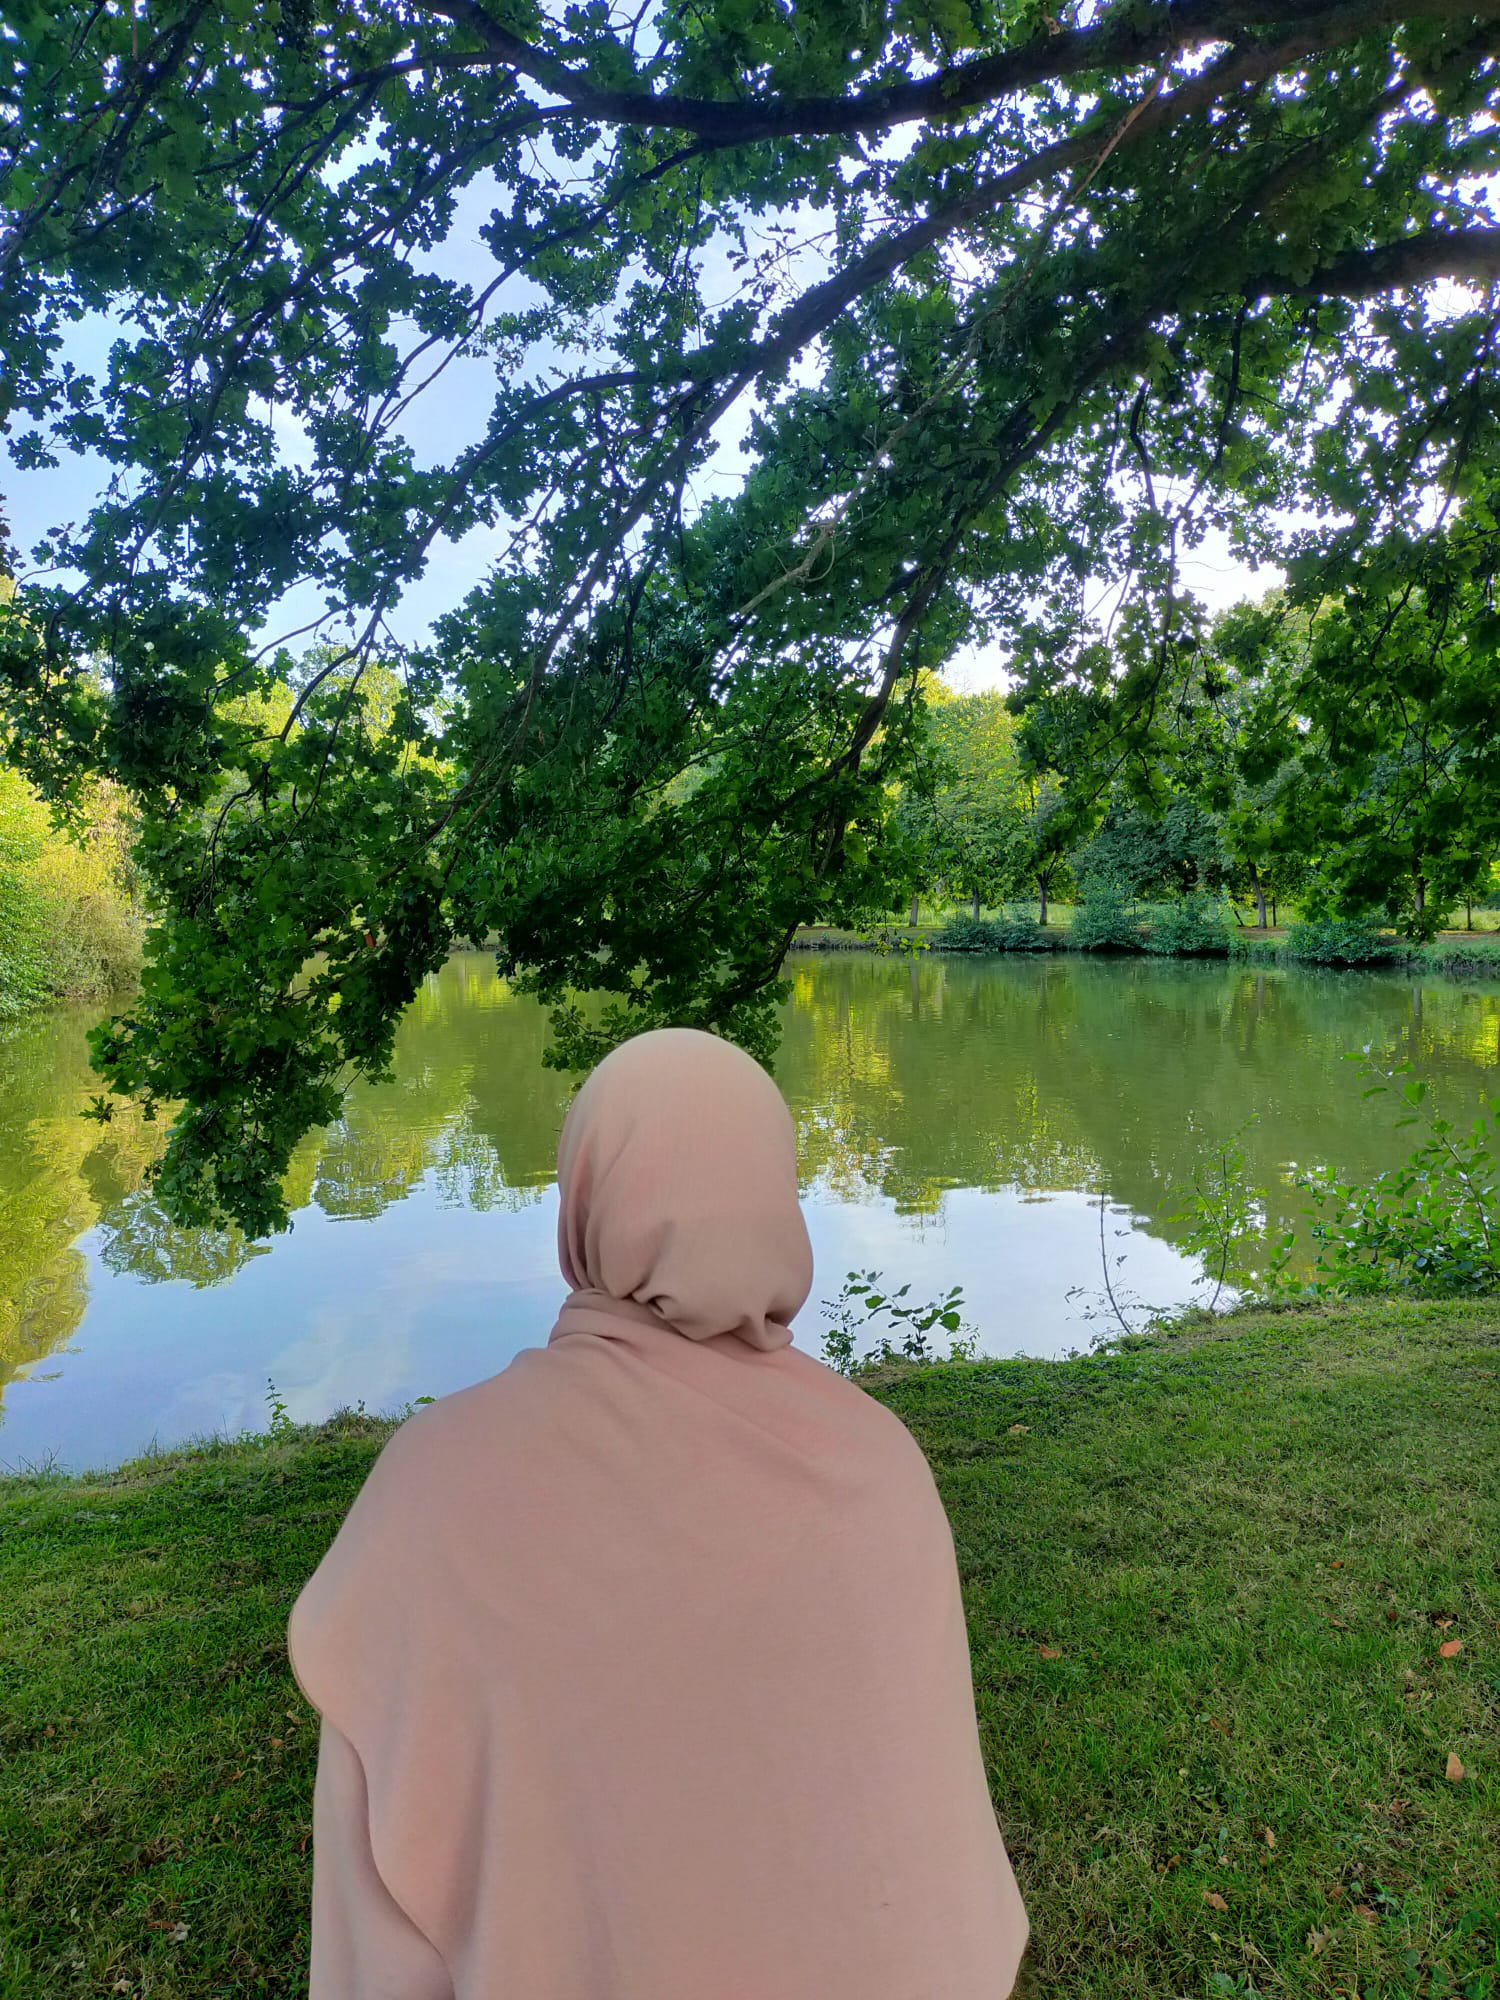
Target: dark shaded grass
1210	1532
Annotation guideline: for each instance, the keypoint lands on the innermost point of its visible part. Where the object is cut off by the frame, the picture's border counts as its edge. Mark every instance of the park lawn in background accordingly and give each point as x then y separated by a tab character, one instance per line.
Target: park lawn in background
1235	1622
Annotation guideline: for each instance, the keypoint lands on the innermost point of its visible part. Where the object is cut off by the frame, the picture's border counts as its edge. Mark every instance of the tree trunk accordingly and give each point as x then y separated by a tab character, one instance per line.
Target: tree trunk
1419	889
1468	916
1260	896
1041	891
915	903
1273	913
974	903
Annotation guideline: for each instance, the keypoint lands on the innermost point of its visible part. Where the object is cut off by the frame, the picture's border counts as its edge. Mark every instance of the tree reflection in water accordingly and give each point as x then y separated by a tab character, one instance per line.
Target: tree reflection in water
909	1079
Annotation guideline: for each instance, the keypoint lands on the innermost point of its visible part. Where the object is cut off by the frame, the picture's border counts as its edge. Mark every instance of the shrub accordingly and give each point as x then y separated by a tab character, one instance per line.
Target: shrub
1194	927
864	1302
1021	934
1341	941
1103	922
966	934
1430	1226
1003	934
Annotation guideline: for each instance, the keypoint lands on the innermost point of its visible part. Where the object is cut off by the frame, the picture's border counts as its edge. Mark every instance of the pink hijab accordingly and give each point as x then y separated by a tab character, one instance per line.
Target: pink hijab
642	1665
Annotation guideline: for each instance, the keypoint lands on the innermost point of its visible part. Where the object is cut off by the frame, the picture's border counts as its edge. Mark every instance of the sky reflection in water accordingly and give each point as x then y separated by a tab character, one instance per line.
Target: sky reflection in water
957	1121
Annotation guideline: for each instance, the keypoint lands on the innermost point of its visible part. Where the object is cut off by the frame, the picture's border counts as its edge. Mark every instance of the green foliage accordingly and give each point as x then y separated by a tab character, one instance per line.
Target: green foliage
1339	941
1008	933
66	922
1223	1217
1004	295
1146	854
24	962
280	1424
1195	927
1016	933
1431	1226
963	933
1021	935
1103	920
864	1302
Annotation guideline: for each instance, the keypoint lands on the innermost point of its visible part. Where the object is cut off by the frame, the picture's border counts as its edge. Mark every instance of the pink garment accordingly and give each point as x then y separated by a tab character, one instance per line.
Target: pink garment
642	1665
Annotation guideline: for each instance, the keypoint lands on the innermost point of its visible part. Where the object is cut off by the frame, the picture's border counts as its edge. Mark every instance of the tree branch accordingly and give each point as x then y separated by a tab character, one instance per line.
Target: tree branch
1125	40
1472	254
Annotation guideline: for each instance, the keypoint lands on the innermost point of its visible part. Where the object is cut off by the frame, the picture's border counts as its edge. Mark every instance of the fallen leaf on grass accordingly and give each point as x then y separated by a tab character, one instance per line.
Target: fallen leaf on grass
1270	1837
1222	1727
1342	1623
1364	1910
1214	1900
1316	1940
1050	1652
1440	1621
1019	1431
1450	1647
1453	1770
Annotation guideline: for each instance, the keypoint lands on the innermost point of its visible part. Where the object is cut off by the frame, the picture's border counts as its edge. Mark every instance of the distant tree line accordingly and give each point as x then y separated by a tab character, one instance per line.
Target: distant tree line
1340	756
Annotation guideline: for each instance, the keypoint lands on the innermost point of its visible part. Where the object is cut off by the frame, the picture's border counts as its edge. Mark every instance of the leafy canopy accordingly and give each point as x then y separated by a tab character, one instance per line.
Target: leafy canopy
1000	299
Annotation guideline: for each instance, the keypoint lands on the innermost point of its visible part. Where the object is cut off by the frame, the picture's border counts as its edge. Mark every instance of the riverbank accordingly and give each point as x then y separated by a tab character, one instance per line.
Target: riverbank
1455	954
1214	1584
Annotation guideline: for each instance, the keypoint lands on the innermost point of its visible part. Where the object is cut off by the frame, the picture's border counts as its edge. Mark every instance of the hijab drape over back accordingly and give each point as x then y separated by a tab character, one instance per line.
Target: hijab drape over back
642	1665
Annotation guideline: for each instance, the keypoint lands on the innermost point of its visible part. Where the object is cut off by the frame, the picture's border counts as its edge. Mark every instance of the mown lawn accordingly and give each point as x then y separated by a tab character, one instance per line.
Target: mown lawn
1214	1586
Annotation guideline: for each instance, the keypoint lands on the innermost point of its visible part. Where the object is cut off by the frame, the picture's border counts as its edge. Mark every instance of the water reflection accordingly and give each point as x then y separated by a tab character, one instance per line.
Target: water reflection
953	1117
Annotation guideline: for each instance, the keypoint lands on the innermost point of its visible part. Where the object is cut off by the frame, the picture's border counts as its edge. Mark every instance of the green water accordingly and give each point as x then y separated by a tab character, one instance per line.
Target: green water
958	1122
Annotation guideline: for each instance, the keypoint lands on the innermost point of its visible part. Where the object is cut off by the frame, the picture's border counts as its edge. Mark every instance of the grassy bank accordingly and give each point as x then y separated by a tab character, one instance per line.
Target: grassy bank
1213	1586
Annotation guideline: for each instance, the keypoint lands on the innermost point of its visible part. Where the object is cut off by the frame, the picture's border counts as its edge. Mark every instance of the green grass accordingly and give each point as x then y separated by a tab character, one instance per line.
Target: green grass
1240	1545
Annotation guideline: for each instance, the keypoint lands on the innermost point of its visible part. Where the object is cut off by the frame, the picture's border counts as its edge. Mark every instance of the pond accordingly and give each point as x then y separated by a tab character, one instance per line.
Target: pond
960	1123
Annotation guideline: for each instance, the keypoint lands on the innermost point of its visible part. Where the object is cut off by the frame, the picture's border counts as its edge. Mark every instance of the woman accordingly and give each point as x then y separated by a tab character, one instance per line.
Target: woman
642	1665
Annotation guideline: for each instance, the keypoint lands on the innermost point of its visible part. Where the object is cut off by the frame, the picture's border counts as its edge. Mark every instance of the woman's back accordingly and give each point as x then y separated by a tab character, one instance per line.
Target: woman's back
648	1658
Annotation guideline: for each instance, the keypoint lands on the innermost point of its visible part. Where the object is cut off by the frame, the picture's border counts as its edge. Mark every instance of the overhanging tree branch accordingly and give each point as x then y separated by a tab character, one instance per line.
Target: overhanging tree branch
1122	41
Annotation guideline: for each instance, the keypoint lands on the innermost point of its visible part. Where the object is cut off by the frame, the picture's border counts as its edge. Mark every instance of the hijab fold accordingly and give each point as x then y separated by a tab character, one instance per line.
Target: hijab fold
642	1665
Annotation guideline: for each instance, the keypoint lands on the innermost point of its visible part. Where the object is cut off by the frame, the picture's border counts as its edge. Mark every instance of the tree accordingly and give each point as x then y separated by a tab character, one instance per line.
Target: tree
1357	739
1400	780
960	806
980	262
